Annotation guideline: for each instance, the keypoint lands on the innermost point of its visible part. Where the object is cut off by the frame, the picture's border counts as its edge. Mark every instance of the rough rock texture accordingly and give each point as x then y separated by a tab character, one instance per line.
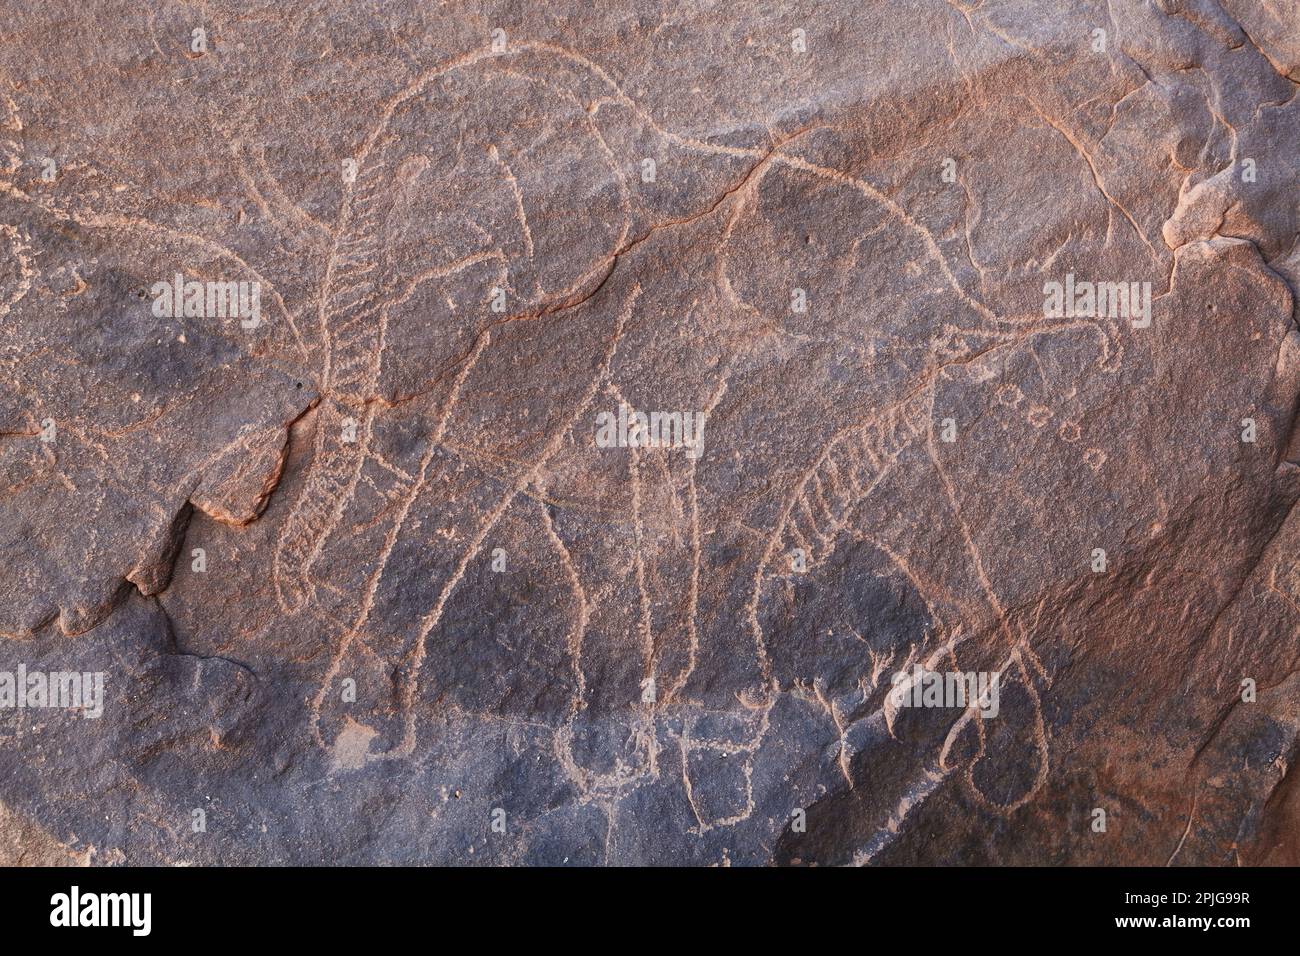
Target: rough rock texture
687	658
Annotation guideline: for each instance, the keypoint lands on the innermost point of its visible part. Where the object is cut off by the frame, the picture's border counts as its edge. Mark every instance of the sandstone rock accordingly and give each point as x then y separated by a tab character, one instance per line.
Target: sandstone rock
367	582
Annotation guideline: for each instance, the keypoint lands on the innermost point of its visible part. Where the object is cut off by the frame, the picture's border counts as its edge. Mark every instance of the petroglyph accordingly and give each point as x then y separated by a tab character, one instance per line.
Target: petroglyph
377	548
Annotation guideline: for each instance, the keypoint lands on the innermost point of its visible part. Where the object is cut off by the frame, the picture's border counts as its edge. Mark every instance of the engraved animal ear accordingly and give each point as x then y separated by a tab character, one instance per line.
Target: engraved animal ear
411	168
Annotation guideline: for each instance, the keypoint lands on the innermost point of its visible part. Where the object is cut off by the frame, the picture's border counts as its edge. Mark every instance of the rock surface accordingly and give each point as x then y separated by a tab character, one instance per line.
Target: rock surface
363	580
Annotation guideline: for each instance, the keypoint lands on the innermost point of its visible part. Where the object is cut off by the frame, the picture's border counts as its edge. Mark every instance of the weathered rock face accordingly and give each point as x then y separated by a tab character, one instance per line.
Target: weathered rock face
375	565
